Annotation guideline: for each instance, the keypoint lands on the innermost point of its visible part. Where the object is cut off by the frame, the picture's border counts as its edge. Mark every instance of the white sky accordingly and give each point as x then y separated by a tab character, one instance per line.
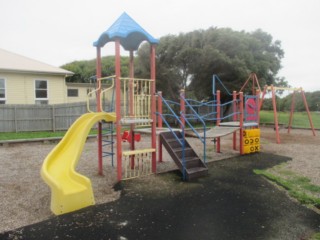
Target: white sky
60	31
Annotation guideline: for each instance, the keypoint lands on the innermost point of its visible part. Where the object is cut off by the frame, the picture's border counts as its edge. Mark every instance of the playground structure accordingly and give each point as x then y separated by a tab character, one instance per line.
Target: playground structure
135	107
239	119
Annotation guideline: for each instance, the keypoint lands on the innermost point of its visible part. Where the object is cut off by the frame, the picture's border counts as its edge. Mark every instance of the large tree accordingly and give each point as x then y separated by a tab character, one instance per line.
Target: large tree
189	60
85	70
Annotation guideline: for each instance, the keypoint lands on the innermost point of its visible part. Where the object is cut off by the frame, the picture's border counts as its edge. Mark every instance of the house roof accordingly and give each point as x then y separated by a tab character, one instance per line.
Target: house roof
130	33
12	62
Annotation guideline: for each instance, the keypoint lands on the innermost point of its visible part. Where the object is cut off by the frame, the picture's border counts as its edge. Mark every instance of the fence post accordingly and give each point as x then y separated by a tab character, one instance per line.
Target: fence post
53	118
15	119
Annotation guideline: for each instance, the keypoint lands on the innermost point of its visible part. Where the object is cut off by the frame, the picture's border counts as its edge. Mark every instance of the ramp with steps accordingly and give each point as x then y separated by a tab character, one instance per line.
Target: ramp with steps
185	158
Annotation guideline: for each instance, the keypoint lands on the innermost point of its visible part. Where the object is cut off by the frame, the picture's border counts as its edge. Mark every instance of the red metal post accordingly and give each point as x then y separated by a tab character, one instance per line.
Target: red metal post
256	81
118	109
131	82
262	97
275	114
153	105
234	118
98	99
246	82
131	104
160	151
241	122
258	107
159	125
309	115
182	108
159	109
253	86
218	119
291	111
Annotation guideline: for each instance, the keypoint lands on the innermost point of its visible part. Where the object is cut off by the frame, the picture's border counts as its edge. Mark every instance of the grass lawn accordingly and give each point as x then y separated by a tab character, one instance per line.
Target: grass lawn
30	135
300	119
297	186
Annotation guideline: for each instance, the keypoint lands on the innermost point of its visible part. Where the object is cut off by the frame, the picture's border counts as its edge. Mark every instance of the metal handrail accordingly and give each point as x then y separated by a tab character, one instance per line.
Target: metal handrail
214	78
203	140
99	89
182	143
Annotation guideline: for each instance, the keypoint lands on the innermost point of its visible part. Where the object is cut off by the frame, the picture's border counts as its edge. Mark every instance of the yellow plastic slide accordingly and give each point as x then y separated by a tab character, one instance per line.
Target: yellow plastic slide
70	190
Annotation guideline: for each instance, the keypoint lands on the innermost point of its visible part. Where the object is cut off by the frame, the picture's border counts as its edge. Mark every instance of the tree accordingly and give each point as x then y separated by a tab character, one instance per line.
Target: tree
284	103
86	69
189	60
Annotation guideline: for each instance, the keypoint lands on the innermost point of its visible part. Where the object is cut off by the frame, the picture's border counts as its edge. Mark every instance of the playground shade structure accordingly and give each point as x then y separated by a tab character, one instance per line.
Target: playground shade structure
70	190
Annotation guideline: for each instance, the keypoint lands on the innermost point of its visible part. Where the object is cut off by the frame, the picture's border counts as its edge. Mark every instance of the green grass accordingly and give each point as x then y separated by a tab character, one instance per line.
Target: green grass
297	186
32	135
300	119
316	236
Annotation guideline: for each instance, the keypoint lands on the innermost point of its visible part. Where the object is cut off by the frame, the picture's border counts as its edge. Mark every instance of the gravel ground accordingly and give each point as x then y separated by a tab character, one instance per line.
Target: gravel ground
25	198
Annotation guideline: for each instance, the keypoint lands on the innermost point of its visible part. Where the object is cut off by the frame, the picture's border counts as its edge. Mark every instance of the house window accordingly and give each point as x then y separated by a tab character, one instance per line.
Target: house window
41	91
73	92
2	91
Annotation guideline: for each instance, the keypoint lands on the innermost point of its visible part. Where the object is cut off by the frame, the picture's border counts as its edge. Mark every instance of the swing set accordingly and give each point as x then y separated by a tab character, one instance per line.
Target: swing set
295	91
273	89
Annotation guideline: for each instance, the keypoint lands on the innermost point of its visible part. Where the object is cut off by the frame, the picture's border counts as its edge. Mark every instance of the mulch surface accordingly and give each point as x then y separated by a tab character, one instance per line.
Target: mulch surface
230	203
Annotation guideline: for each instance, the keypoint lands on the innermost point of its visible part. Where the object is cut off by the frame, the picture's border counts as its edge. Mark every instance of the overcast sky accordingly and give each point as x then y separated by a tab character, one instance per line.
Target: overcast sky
60	31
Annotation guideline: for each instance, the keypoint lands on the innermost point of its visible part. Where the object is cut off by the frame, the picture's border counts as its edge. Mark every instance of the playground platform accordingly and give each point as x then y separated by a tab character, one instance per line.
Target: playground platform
230	203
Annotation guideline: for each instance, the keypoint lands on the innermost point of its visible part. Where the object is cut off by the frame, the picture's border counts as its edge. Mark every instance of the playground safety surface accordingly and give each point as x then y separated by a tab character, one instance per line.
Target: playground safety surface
230	203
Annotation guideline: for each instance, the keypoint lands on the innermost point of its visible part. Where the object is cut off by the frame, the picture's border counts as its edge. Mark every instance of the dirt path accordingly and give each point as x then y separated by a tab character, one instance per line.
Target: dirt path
25	199
230	203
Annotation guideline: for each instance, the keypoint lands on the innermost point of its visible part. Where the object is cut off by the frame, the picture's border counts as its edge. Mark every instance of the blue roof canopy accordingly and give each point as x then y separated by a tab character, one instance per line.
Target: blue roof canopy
130	33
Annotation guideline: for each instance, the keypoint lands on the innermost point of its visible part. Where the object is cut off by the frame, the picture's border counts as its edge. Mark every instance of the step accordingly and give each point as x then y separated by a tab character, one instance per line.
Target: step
188	152
196	172
180	149
173	139
192	162
175	143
